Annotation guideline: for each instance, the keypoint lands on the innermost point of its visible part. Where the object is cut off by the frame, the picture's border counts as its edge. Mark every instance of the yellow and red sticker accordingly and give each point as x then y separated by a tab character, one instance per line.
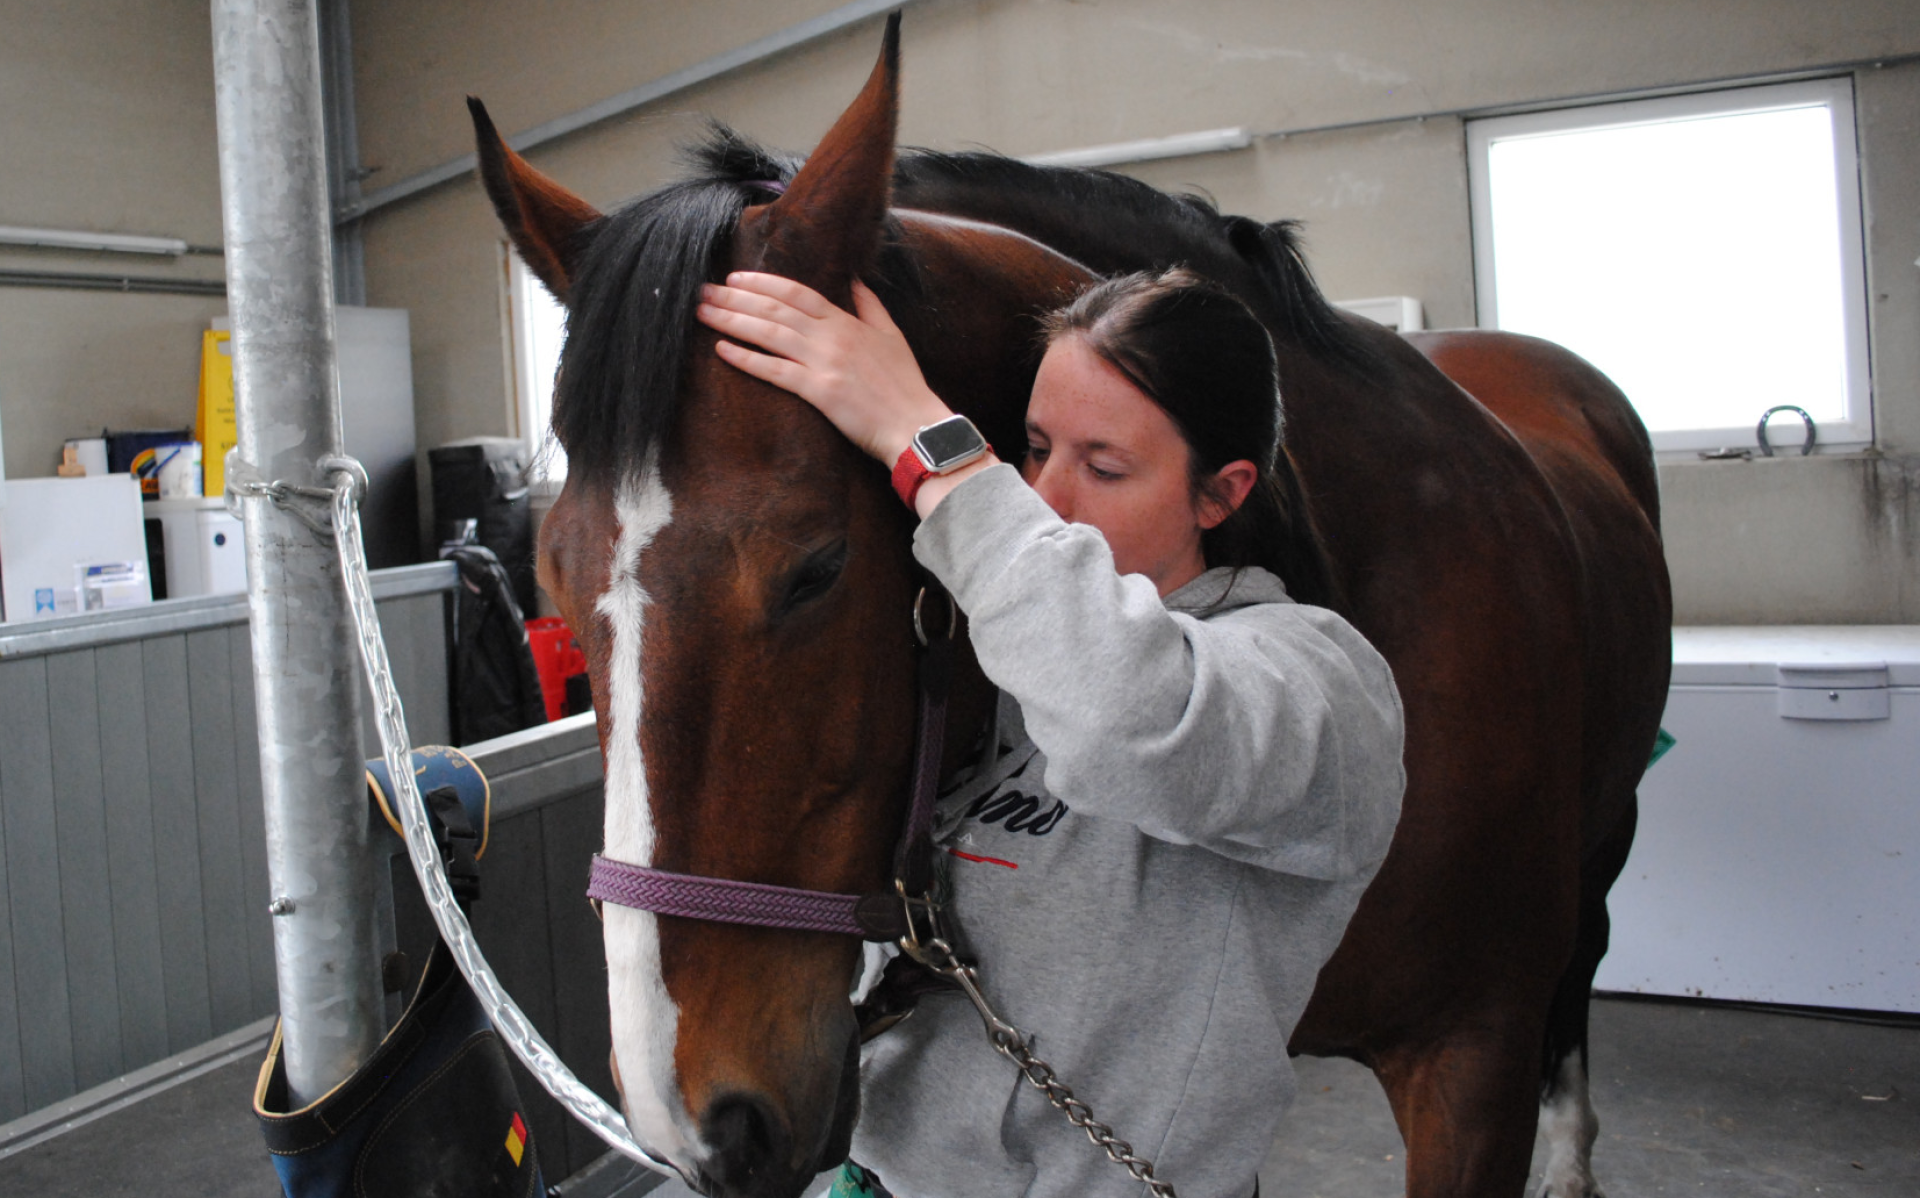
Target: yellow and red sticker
517	1140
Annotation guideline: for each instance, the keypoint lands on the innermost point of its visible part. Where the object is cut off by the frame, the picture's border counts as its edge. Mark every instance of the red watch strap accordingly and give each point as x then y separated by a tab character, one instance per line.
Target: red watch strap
909	472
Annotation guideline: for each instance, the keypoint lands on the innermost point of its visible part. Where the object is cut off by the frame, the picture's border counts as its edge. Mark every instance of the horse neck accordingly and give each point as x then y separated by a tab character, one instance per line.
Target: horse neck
1113	238
966	296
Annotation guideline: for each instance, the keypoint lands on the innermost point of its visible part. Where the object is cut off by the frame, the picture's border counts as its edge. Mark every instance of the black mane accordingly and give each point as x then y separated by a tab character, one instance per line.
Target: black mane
1113	223
642	266
632	303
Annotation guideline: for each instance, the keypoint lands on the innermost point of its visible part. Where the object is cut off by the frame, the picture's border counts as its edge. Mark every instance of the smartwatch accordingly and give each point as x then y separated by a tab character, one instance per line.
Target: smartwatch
938	448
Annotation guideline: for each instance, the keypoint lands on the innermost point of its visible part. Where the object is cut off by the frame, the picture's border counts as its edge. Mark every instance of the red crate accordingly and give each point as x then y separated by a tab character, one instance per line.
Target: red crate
556	657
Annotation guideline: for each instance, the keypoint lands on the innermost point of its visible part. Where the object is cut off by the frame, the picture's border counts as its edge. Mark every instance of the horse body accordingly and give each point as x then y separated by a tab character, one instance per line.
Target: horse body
1490	509
1488	514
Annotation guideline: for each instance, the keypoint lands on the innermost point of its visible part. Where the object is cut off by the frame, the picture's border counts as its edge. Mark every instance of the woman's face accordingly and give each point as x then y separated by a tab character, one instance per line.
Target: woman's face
1101	453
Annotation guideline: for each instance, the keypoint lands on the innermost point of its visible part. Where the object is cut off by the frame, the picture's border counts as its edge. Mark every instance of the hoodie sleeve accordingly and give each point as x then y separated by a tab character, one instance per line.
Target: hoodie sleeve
1269	733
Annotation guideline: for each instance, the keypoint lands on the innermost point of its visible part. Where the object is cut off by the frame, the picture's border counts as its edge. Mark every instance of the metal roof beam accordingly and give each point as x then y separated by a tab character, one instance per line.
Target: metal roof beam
773	44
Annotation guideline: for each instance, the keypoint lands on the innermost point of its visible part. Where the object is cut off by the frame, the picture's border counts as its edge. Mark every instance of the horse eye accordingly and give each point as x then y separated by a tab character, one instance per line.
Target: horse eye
815	577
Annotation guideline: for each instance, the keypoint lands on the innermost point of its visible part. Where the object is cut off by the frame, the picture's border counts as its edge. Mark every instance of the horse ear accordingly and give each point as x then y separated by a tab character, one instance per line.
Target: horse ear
825	229
542	218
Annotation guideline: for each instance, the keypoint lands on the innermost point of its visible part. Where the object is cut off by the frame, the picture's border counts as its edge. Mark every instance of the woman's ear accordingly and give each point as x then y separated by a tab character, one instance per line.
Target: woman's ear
1226	491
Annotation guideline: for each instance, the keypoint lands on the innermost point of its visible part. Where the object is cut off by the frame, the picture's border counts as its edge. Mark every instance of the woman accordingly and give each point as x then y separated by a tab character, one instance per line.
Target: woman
1193	779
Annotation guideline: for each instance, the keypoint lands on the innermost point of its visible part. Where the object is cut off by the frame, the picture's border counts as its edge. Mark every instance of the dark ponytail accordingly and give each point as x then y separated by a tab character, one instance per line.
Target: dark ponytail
1199	353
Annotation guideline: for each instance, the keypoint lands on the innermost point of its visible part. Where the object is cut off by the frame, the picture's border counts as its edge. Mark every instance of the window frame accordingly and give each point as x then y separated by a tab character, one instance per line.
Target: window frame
547	462
1835	93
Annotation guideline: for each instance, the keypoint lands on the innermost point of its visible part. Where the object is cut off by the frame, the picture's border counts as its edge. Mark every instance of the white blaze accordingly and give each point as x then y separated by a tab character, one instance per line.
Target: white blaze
644	1017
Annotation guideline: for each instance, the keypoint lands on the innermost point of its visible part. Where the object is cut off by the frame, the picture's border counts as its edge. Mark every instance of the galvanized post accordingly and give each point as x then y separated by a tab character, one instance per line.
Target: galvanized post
308	687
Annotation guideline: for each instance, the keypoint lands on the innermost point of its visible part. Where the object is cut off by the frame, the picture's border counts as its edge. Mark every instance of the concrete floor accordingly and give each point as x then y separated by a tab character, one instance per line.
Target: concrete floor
1693	1100
1700	1101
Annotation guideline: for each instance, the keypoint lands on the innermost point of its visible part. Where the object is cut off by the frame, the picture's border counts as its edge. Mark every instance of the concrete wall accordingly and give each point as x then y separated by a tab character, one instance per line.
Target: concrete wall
1830	539
107	113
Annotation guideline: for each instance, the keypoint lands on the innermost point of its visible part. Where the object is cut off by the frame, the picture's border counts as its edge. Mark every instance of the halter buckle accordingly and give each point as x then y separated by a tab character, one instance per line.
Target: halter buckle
953	616
922	922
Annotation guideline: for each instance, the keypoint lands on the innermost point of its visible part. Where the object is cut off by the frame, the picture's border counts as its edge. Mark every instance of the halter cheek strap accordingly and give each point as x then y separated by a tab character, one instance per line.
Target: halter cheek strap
881	916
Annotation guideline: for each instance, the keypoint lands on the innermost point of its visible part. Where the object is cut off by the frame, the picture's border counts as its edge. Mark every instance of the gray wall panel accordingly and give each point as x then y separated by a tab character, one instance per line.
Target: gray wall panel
133	874
13	1098
571	831
33	876
210	695
176	842
133	880
415	631
86	901
428	722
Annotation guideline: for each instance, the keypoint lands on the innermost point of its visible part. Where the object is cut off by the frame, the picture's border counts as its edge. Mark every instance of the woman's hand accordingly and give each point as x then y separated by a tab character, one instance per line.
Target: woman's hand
856	368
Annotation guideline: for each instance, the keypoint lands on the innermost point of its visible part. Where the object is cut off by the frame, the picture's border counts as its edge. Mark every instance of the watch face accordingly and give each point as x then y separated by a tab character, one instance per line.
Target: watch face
949	443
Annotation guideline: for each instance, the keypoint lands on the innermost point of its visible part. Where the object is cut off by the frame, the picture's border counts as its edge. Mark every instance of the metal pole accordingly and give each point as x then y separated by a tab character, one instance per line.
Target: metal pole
307	683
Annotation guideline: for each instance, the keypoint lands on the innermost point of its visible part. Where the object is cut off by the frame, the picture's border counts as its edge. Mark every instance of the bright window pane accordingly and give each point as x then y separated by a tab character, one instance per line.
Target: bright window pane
1696	261
540	327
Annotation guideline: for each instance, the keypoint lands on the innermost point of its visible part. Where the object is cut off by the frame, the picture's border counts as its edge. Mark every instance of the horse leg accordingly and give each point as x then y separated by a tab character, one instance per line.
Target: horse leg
1567	1122
1465	1105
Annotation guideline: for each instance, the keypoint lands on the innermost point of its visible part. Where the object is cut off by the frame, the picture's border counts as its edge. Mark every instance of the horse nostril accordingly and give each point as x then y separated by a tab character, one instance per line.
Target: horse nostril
747	1139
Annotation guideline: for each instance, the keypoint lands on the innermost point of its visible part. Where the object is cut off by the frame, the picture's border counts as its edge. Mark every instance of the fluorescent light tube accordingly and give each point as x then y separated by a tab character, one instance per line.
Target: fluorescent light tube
1180	145
107	243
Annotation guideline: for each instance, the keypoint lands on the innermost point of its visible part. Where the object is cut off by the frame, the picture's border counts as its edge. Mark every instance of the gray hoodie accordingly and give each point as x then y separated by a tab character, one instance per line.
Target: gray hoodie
1185	803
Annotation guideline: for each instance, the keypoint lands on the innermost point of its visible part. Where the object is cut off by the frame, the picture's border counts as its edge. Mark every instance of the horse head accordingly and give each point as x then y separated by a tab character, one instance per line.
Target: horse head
741	581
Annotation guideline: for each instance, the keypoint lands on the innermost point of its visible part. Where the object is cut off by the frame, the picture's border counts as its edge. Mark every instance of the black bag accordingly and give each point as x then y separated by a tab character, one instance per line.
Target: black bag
434	1112
484	479
496	689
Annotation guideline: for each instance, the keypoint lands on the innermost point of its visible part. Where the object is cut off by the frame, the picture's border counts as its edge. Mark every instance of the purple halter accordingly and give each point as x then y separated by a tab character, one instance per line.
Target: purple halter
879	916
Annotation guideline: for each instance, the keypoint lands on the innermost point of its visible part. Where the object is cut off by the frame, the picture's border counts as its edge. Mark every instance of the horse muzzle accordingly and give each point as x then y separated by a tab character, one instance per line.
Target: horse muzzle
751	1145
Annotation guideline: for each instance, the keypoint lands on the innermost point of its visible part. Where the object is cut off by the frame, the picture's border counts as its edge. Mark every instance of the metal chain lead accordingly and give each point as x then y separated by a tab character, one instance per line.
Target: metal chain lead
349	483
936	954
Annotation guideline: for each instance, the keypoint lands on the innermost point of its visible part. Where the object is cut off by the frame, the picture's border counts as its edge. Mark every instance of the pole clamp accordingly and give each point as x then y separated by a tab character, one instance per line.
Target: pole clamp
312	506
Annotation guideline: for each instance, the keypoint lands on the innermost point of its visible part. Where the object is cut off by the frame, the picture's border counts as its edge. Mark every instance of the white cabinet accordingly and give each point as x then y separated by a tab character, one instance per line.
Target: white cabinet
204	546
1778	852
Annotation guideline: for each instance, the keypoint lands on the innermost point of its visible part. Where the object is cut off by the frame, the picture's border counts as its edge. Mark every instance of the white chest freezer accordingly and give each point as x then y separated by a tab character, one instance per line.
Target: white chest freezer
1778	852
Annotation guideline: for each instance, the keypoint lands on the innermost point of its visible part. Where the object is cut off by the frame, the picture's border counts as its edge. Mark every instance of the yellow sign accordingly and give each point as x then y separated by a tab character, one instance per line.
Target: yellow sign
214	426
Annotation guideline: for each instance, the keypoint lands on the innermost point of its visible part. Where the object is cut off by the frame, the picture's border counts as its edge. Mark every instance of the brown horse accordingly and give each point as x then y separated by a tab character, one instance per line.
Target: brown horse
740	578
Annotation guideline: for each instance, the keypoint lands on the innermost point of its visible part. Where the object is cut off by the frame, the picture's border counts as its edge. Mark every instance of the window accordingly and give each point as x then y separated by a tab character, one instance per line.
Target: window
1702	250
538	324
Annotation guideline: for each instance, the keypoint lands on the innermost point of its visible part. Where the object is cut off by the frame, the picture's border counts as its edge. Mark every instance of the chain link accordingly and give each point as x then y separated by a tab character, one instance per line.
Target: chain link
936	954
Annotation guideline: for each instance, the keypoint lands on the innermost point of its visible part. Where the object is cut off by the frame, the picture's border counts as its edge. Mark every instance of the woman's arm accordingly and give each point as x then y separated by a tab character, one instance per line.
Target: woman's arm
1270	734
856	368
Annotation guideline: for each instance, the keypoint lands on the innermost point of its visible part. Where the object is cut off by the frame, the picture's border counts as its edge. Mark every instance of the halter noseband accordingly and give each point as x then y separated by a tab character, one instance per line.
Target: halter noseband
881	916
